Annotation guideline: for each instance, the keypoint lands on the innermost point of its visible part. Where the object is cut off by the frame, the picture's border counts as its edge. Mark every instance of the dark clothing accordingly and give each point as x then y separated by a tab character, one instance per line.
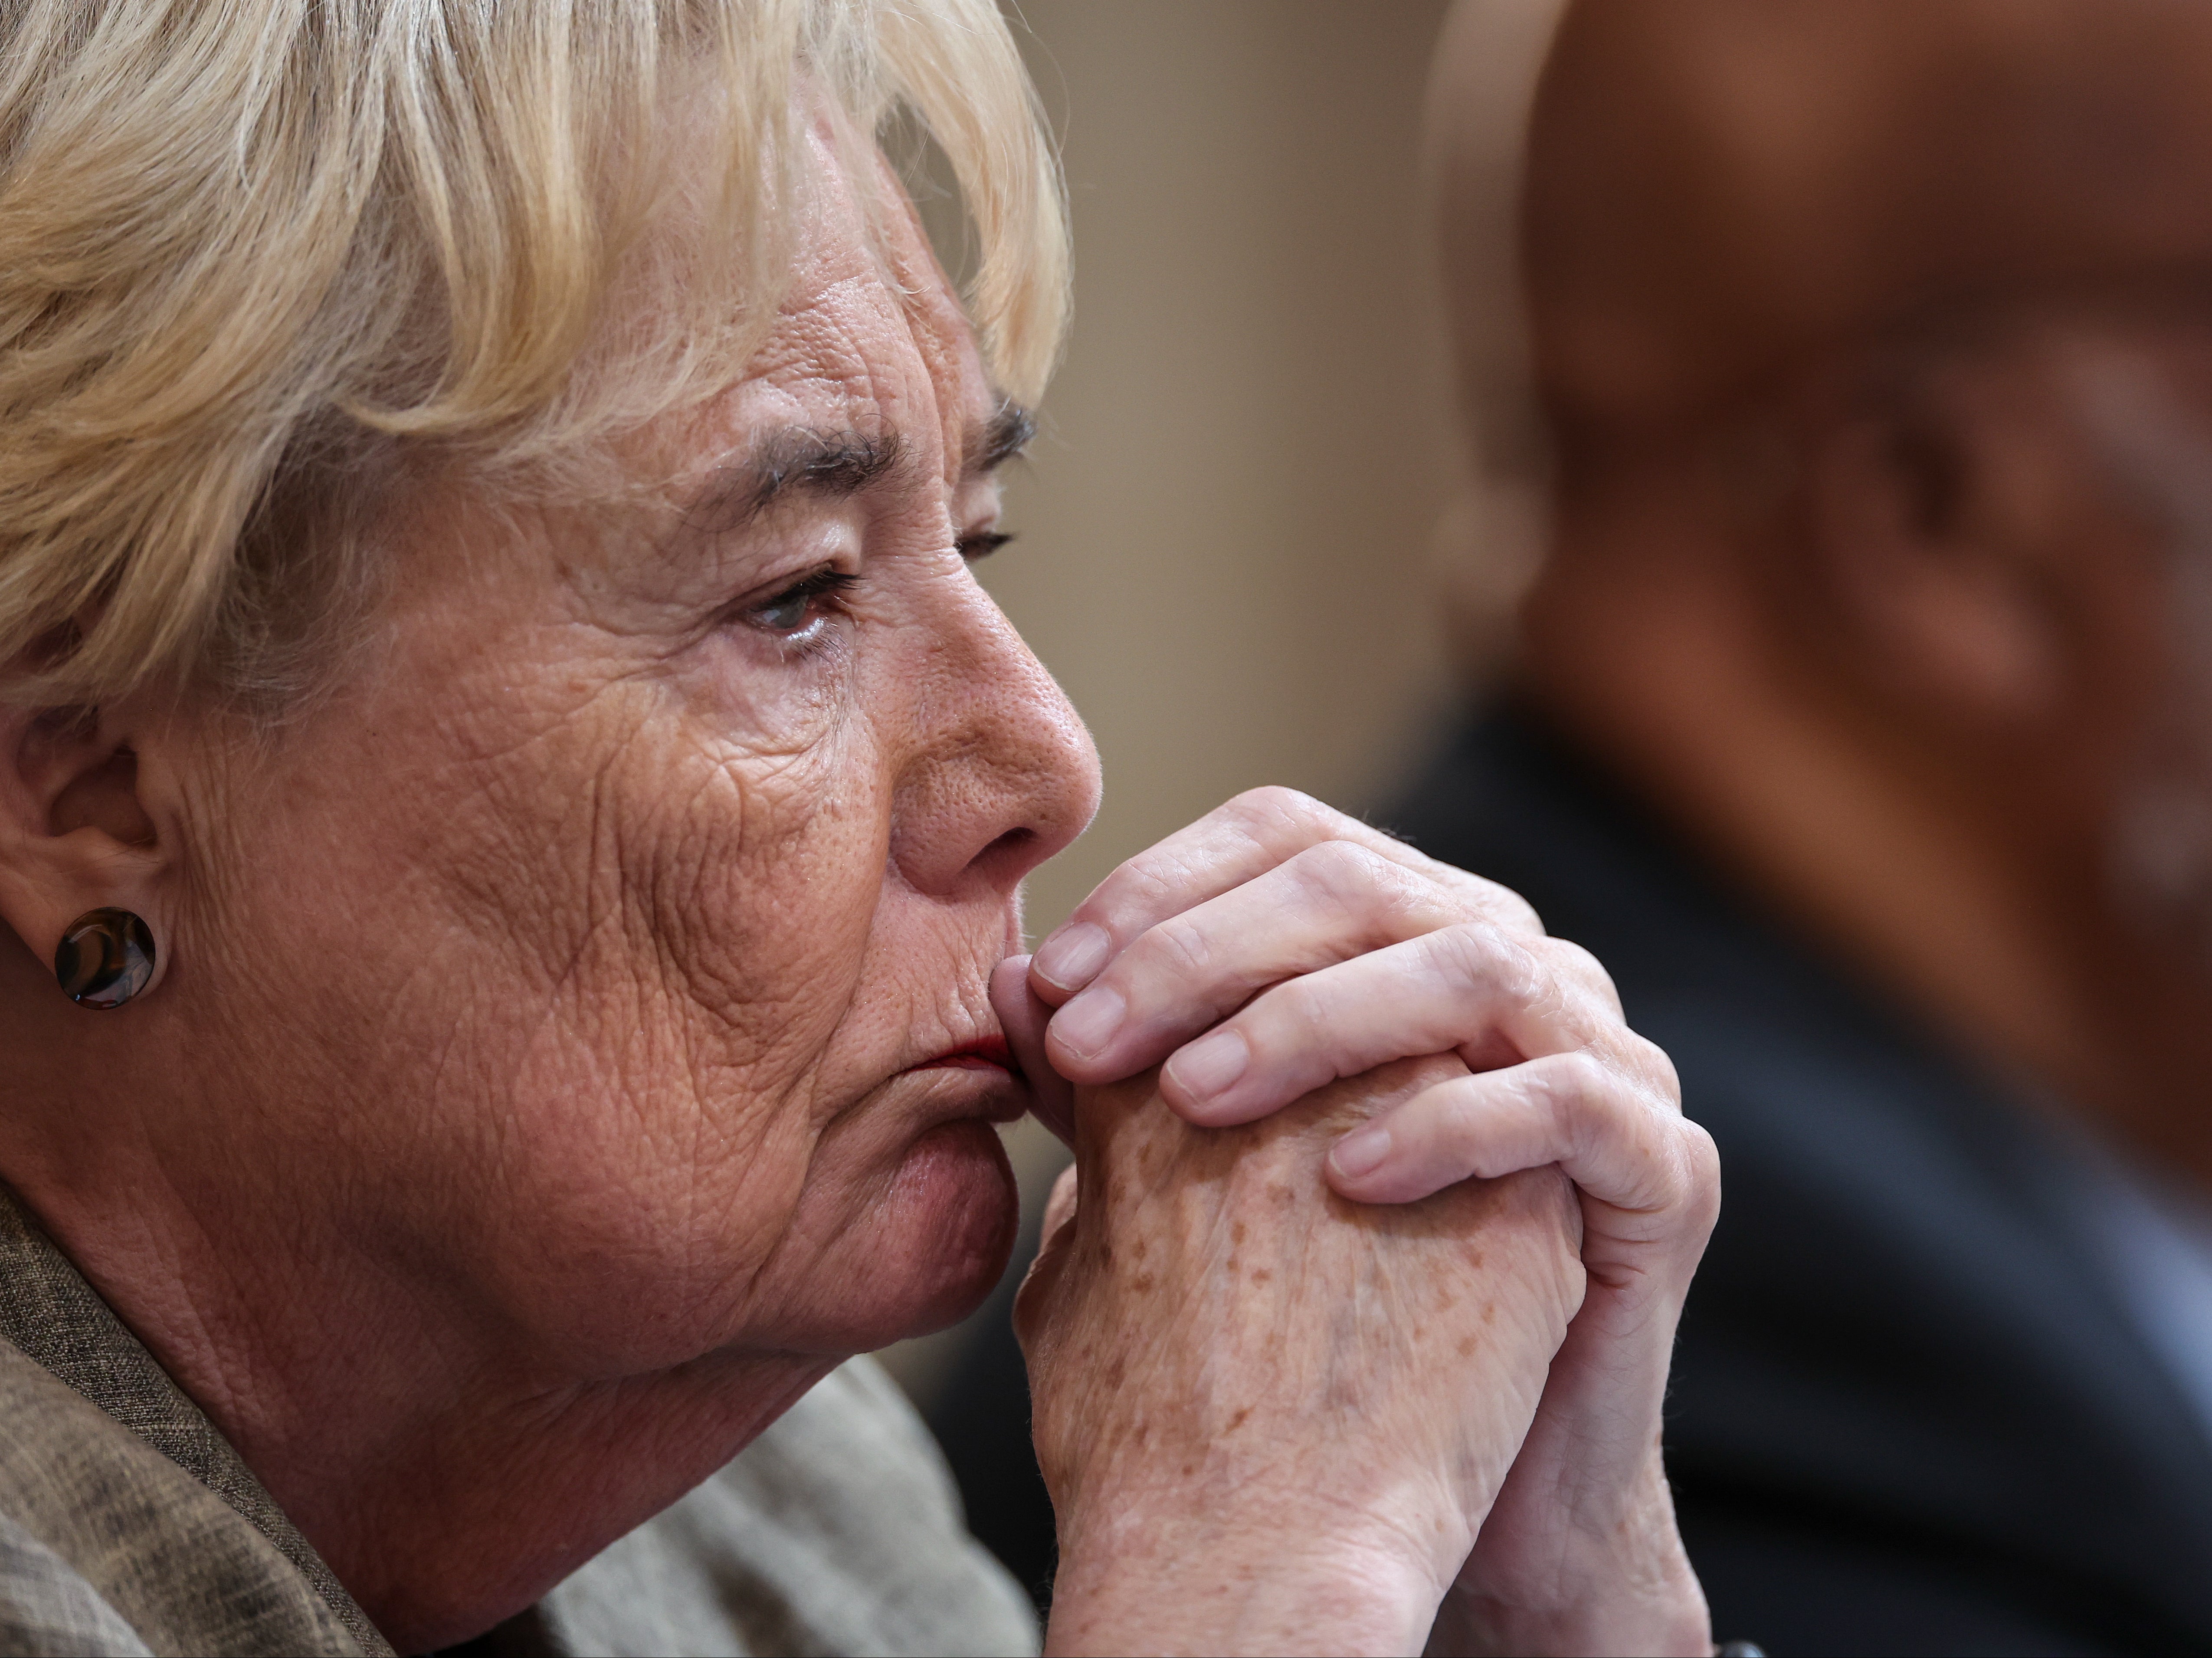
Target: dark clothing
1909	1413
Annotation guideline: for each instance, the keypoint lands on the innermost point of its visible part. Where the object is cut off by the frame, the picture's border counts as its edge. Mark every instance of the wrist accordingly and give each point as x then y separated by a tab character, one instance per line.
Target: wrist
1265	1581
1598	1570
1640	1595
1674	1624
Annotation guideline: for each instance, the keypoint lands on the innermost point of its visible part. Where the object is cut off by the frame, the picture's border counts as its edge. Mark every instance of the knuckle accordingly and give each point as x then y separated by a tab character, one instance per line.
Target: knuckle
1584	1100
1576	965
1141	881
1177	946
1274	806
1508	909
1128	888
1578	1081
1655	1067
1346	875
1340	861
1302	1018
1693	1177
1705	1160
1483	957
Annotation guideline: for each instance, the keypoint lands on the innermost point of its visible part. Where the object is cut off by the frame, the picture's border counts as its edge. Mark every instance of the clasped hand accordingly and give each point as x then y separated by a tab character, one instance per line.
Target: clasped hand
1361	1341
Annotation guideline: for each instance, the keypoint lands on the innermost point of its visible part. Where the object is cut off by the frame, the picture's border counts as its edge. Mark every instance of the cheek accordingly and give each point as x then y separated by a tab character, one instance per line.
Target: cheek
561	977
701	957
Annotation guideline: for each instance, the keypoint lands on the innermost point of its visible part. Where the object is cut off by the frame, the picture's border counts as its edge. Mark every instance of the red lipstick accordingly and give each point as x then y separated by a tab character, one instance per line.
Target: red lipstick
989	1052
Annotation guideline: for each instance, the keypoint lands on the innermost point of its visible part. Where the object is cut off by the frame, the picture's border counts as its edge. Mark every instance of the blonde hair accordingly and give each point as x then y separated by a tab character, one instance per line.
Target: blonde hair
254	250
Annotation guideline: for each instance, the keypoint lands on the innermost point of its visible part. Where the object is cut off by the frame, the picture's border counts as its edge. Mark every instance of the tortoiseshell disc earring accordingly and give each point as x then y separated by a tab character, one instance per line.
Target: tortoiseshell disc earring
105	958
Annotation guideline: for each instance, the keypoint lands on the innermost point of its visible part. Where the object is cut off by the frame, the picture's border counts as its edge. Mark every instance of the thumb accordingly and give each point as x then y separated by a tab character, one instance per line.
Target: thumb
1023	1014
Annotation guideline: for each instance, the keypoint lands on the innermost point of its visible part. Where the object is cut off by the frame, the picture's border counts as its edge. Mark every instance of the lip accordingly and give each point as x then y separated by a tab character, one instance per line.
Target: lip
985	1053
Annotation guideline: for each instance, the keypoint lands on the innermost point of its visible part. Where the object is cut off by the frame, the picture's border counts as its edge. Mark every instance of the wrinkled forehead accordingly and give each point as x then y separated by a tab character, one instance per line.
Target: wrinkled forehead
870	349
869	334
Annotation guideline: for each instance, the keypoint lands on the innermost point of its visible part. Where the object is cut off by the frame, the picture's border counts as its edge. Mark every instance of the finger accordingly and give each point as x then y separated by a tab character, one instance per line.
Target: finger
1466	989
1327	904
1023	1016
1034	1297
1231	845
1655	1172
1570	961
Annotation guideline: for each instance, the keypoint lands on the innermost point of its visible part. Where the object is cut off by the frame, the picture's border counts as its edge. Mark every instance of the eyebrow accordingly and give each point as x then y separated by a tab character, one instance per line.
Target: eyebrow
1000	439
799	461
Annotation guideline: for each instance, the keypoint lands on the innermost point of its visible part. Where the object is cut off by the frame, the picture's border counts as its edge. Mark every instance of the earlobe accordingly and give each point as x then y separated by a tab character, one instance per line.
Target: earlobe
80	857
105	958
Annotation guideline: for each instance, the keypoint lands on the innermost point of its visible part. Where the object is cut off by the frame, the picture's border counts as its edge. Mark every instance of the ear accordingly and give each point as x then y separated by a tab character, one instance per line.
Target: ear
75	834
1944	538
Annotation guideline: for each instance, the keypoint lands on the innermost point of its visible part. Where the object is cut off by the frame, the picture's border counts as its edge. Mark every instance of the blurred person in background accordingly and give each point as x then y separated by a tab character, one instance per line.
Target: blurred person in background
1852	366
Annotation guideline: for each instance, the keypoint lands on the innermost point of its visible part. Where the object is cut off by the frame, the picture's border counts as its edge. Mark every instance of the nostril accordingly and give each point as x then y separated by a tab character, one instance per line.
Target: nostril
1007	859
1014	844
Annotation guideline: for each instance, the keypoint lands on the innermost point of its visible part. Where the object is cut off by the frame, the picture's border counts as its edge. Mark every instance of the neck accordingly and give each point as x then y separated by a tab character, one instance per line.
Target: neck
1666	668
439	1470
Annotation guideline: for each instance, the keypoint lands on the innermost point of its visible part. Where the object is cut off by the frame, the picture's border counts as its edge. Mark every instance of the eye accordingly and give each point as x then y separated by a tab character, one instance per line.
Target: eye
800	607
982	544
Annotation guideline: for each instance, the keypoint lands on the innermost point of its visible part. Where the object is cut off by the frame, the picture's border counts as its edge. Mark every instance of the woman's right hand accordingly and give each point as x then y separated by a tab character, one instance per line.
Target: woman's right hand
1272	1420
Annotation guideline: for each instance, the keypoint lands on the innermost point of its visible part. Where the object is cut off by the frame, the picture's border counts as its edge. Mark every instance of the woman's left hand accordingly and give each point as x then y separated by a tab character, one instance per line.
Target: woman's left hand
1276	946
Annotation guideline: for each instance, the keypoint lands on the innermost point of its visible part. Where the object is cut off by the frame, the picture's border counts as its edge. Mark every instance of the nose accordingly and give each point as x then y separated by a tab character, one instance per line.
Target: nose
1002	773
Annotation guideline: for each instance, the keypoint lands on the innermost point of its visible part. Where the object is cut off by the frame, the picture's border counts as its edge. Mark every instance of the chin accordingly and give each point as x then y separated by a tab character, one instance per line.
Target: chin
928	1251
956	1202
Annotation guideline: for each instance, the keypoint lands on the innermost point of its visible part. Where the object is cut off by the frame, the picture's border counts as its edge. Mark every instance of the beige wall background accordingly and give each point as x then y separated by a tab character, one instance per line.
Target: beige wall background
1225	527
1226	522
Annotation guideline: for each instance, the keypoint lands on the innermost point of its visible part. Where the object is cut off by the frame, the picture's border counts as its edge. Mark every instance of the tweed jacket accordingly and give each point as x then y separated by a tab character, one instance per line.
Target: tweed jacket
128	1525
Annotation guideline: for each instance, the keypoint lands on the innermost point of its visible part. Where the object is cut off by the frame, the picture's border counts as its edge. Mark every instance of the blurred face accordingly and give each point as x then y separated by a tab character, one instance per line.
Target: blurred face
616	943
2053	619
2140	403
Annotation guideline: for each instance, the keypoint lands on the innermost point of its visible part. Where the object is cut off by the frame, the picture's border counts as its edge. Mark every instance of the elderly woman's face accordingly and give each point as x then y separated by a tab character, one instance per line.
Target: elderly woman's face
615	933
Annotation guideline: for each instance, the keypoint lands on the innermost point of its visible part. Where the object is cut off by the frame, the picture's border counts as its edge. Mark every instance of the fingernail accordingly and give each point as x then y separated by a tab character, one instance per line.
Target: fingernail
1361	1151
1087	1024
1211	1064
1071	957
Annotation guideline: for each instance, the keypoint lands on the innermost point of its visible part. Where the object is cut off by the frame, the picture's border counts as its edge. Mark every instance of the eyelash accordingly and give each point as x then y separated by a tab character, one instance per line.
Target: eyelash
826	583
822	584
